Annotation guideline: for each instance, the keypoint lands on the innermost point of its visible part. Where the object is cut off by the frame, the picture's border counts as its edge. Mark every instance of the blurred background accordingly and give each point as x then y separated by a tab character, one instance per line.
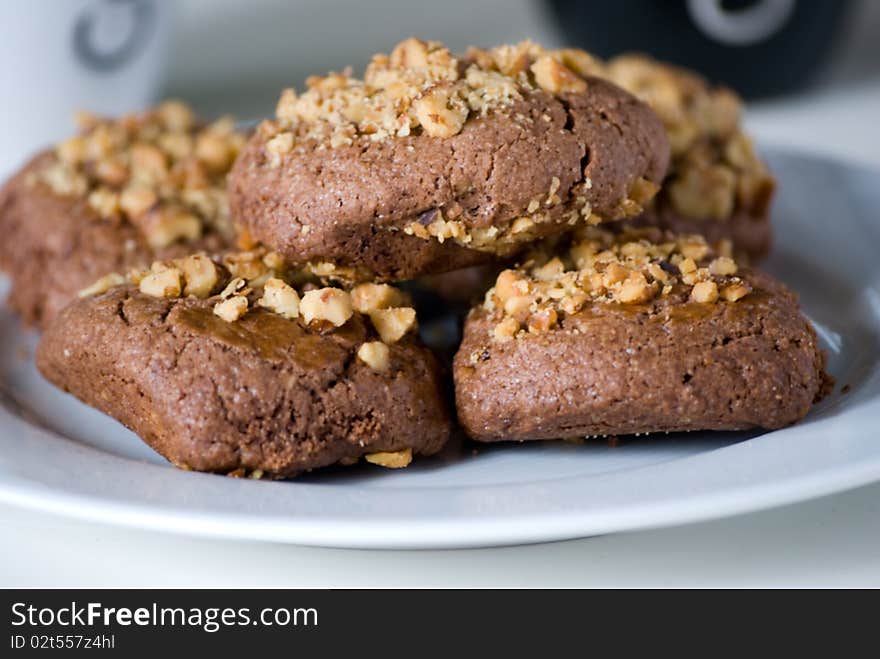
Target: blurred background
811	67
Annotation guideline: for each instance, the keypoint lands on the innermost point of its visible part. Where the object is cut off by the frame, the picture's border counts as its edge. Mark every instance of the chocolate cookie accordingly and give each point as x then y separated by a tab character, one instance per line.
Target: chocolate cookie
716	186
240	367
118	196
620	335
434	162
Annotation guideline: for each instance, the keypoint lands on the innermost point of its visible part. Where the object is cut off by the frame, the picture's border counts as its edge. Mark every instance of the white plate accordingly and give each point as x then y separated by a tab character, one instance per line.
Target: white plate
58	455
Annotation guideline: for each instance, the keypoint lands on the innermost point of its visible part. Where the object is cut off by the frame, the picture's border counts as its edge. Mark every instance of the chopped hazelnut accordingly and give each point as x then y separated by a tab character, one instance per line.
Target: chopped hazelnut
213	150
512	60
658	273
580	61
137	200
232	308
72	151
163	283
200	275
64	181
693	247
634	250
232	287
643	190
438	115
326	304
274	261
723	266
582	254
634	289
521	225
148	163
390	459
104	201
704	291
518	306
573	303
392	324
247	265
550	270
280	297
177	145
278	147
508	284
505	284
111	171
409	54
286	108
506	329
556	78
370	297
164	226
102	285
176	115
542	320
687	266
375	354
615	274
735	291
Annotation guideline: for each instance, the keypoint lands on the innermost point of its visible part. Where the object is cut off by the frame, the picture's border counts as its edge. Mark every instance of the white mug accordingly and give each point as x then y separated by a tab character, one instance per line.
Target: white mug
105	56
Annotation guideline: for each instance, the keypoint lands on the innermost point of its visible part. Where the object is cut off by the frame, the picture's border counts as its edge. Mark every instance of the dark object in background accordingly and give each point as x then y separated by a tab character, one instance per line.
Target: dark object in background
758	47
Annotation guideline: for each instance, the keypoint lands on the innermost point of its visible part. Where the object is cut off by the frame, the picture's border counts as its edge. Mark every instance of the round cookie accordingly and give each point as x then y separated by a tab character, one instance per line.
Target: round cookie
622	335
229	368
716	185
433	162
119	195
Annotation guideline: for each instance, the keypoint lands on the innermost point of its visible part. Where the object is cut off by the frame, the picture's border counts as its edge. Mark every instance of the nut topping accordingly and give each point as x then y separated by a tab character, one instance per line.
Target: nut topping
392	459
393	324
157	169
164	282
326	304
280	297
231	309
376	355
608	268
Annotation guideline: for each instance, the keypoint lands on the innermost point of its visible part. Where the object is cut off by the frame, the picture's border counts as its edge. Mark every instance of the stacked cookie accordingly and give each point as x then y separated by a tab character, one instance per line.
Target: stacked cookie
604	231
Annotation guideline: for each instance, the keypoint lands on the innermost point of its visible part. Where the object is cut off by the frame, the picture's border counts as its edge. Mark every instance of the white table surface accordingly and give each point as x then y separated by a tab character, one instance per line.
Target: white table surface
834	541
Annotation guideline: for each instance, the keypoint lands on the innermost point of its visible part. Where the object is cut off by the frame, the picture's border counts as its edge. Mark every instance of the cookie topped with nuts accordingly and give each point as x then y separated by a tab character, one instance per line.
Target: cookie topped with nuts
119	195
237	364
717	185
598	266
628	333
434	161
